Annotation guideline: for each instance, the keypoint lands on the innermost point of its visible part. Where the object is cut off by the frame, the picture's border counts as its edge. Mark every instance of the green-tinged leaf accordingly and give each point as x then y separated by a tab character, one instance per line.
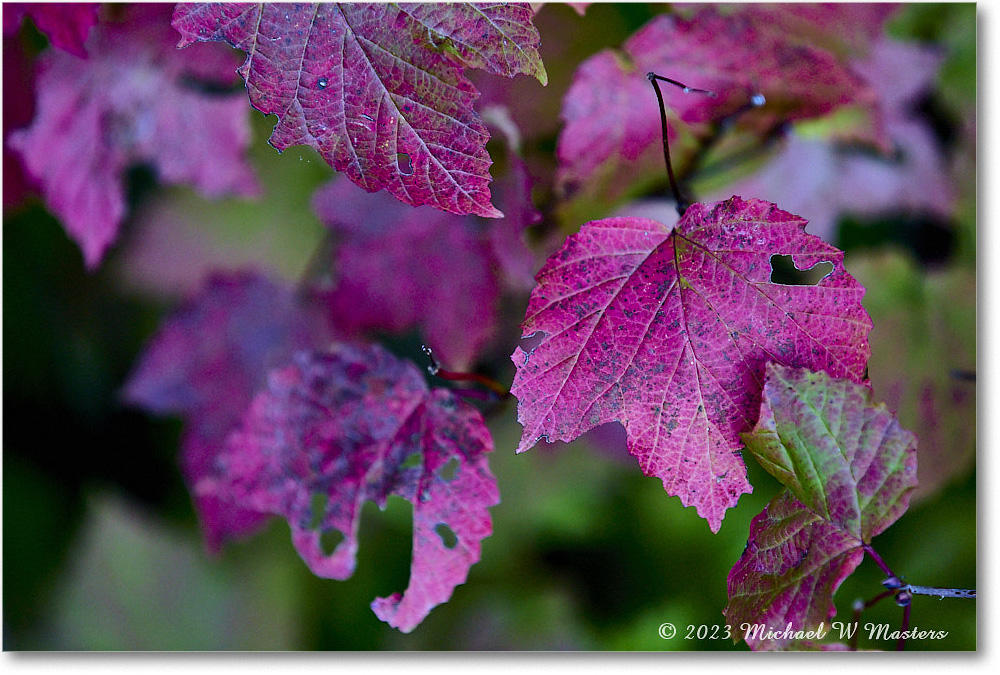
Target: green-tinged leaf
849	468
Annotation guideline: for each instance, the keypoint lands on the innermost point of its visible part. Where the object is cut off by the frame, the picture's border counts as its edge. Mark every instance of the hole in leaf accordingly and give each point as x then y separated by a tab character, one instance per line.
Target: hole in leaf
784	271
416	459
318	510
449	470
404	164
448	537
329	540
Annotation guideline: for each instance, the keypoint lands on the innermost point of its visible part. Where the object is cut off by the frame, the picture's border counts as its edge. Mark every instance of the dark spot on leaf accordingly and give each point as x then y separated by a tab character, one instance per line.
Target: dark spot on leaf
322	83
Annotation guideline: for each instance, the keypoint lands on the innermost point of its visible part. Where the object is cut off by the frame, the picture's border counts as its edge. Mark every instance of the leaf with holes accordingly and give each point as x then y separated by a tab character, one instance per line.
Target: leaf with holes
337	428
849	469
134	100
205	363
668	330
378	89
66	25
610	112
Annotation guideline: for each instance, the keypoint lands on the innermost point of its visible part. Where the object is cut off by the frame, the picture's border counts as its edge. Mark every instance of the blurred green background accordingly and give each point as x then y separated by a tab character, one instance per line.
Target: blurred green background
101	545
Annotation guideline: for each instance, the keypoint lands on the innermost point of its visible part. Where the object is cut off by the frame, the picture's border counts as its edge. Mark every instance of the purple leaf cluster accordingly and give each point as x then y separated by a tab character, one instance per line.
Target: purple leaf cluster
668	331
378	89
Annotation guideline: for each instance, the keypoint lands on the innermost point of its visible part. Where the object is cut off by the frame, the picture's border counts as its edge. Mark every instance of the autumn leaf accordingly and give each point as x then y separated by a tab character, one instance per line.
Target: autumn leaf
66	25
205	363
378	89
397	268
132	101
849	469
610	113
823	179
668	330
352	424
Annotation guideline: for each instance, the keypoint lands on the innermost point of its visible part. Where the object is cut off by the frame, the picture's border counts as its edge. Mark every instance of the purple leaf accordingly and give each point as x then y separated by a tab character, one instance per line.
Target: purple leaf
849	469
205	364
130	103
354	424
667	331
399	268
65	24
378	89
611	114
822	181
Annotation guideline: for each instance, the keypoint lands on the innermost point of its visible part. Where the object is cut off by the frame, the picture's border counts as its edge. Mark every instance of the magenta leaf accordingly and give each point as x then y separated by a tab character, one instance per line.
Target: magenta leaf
668	330
611	115
206	362
378	89
354	424
398	268
130	102
66	25
823	180
849	469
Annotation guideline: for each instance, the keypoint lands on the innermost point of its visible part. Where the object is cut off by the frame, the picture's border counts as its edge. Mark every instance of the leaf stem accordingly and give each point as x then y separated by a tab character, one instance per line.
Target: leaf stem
653	77
435	369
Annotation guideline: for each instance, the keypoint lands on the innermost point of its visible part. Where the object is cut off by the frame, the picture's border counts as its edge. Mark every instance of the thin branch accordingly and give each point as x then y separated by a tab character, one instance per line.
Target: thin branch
941	593
653	77
435	369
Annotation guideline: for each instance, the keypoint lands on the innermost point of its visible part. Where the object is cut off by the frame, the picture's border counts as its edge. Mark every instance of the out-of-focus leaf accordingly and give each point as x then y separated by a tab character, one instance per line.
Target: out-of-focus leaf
351	424
849	469
205	364
398	267
135	100
667	330
378	89
822	179
611	113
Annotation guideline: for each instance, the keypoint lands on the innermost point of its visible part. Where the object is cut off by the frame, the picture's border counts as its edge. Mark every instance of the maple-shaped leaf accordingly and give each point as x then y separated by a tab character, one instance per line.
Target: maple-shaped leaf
205	363
611	112
667	330
823	180
353	424
849	469
378	89
397	268
66	25
132	101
